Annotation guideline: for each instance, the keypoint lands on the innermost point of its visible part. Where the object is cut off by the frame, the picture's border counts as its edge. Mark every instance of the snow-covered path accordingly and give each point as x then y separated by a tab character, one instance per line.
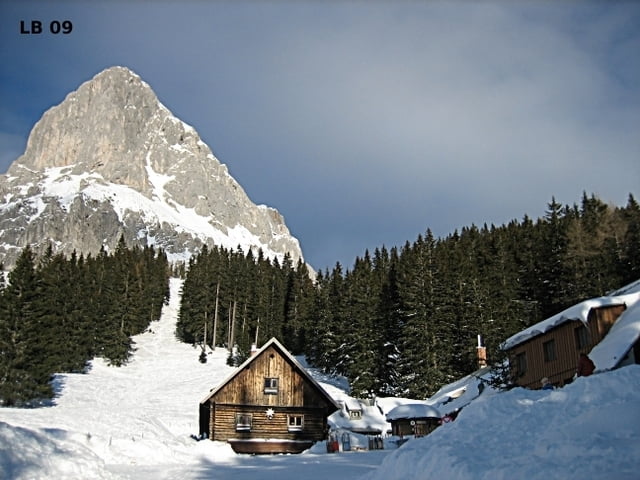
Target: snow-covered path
136	422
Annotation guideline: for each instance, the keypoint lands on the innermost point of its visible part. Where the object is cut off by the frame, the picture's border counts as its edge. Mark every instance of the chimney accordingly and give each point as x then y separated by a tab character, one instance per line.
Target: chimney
254	349
482	353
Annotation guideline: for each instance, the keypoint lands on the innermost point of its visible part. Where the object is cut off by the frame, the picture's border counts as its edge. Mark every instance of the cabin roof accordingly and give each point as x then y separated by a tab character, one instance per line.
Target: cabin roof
290	358
612	349
579	312
413	410
623	335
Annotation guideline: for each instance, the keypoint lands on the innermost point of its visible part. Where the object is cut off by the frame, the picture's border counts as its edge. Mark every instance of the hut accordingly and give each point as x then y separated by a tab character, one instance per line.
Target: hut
270	404
551	348
417	419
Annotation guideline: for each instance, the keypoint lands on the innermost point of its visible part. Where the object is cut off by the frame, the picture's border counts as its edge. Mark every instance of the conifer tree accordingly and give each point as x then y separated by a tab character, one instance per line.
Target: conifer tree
390	325
22	378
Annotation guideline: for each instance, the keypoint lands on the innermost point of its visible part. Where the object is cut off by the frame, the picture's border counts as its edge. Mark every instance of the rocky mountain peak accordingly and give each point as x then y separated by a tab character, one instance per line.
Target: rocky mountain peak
112	147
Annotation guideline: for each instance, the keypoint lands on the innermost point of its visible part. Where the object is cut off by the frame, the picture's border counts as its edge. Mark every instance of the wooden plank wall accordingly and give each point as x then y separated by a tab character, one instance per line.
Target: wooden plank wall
561	370
248	386
224	423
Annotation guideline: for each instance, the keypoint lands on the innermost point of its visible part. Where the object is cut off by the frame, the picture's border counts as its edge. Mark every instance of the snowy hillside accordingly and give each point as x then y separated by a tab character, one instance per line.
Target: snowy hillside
136	422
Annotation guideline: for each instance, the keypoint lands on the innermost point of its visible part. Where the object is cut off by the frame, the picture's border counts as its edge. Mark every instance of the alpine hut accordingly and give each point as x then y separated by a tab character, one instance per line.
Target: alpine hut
270	404
417	419
606	328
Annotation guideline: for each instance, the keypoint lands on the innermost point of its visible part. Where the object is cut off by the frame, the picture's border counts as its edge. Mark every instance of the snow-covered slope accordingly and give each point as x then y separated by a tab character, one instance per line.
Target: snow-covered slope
589	430
140	414
136	421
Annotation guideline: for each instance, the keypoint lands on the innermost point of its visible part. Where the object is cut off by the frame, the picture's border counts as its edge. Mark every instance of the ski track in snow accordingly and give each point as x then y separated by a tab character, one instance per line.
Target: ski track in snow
136	422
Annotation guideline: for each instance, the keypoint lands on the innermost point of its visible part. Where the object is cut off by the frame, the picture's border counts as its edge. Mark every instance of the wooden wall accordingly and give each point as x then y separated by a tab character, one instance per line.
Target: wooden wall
245	393
223	423
247	387
421	427
561	370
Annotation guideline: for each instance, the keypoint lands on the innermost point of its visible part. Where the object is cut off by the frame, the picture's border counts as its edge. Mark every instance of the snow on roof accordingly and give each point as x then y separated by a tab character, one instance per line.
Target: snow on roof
577	312
613	348
623	334
458	394
352	404
413	410
273	342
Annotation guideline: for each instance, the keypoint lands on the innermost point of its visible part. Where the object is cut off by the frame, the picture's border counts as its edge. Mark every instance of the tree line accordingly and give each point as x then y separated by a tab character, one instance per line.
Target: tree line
234	299
58	313
404	321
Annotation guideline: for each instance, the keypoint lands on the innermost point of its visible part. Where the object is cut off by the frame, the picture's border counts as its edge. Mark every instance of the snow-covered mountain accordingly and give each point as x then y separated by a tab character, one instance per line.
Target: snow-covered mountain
112	160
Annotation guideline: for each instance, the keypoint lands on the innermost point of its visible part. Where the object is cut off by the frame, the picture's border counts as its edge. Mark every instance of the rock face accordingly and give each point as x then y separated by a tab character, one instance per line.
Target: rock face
112	160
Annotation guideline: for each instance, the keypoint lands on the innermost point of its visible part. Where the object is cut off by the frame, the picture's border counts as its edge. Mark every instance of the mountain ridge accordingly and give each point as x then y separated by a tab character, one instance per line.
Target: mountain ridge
112	160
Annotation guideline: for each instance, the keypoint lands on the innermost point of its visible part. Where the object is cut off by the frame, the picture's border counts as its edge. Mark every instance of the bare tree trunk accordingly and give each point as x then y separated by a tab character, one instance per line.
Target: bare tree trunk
215	318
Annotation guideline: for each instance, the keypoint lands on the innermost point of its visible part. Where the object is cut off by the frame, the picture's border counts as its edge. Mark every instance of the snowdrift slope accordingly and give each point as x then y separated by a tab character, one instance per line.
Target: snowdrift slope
590	429
140	414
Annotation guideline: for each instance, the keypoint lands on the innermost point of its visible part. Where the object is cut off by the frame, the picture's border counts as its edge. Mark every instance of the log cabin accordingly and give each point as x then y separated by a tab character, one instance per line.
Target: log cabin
270	404
551	348
417	419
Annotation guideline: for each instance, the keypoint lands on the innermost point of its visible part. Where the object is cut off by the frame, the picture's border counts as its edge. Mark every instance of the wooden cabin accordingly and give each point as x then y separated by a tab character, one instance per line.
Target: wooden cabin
270	404
552	347
417	419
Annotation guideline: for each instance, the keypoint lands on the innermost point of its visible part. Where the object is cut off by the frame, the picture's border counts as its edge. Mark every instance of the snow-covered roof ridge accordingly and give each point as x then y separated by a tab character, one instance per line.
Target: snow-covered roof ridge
273	342
413	410
579	312
629	288
613	348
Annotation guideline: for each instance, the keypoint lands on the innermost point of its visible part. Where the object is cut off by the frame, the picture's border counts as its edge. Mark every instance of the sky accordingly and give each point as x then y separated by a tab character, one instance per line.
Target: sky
585	430
363	123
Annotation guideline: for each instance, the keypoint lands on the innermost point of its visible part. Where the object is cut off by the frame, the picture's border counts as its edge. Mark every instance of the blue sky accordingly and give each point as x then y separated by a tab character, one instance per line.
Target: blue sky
364	123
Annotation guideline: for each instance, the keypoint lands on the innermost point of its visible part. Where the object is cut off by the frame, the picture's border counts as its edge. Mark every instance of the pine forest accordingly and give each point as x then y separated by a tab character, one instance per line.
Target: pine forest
58	313
402	321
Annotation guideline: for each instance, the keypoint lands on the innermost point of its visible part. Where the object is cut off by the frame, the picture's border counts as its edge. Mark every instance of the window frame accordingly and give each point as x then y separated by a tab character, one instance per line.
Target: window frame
521	363
581	337
298	423
243	426
271	385
549	350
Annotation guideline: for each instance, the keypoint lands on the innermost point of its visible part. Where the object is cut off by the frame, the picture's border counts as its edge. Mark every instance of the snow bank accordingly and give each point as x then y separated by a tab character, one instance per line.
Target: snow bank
413	410
47	454
587	430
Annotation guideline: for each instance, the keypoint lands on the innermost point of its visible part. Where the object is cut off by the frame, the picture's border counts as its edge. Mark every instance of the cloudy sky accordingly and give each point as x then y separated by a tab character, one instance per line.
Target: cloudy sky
363	123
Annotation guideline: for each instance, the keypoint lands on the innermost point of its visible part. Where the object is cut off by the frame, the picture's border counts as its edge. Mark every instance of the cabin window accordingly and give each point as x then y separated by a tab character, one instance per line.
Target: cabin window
243	422
582	337
271	386
355	414
549	350
296	422
521	364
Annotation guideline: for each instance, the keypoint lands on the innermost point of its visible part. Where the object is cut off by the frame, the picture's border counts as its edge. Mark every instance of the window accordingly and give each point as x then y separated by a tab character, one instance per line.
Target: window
549	350
355	414
296	422
243	422
521	364
271	386
582	337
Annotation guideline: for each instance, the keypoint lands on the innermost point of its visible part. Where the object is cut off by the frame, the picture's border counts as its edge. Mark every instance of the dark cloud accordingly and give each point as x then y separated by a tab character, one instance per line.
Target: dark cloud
367	123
